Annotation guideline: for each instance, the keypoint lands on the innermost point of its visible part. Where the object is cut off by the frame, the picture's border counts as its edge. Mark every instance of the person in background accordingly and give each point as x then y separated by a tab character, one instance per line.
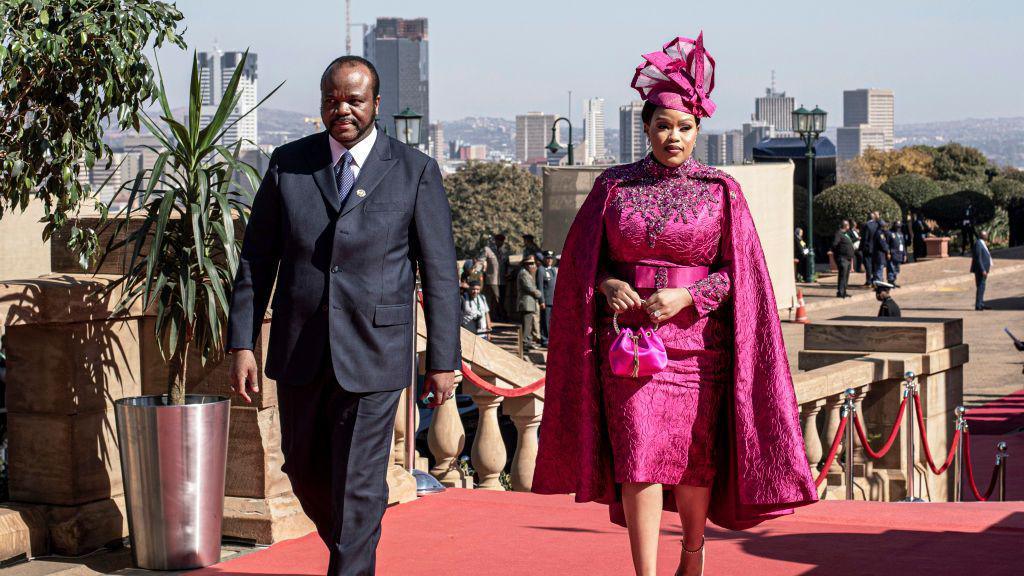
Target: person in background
981	264
547	275
530	247
898	250
881	252
858	257
889	308
842	249
474	269
867	247
476	314
919	230
800	253
530	301
496	255
967	233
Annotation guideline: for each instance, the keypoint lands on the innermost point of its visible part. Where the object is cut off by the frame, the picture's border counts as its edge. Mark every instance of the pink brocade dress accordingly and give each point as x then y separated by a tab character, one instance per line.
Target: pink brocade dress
662	428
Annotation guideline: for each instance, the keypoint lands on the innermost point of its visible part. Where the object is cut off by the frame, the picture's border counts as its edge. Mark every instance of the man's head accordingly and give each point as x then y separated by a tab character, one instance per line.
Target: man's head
875	215
529	263
844	226
983	235
499	238
549	258
474	288
528	239
799	232
349	99
882	290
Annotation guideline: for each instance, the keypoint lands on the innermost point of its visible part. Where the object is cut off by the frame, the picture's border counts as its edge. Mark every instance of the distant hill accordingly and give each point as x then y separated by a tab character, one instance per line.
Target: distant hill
1001	139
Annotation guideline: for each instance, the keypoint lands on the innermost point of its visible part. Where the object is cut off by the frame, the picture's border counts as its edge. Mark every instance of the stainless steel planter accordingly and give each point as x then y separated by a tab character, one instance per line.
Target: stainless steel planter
174	459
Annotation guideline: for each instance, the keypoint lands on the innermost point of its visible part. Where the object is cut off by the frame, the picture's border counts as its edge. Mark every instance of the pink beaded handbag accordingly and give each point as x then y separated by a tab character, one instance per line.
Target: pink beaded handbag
638	353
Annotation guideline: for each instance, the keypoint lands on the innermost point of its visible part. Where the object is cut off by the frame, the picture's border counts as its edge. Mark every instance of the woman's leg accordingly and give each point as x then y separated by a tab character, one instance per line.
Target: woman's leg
642	504
692	503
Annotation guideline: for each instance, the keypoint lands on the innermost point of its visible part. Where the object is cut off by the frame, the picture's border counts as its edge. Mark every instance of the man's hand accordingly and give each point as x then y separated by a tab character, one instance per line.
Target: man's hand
441	383
244	374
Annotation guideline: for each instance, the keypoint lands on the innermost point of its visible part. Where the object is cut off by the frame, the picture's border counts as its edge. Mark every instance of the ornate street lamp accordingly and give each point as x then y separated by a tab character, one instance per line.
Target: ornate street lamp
553	146
809	124
407	127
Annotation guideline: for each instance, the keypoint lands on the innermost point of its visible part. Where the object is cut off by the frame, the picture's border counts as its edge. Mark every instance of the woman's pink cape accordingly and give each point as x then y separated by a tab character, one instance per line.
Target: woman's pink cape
762	467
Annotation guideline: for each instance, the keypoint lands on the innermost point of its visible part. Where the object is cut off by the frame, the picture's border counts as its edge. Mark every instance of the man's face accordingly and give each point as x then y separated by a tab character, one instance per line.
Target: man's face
499	240
881	295
347	105
530	265
549	262
474	291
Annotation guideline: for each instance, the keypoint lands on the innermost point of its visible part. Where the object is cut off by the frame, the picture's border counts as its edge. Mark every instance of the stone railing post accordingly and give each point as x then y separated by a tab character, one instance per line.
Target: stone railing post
812	437
526	413
447	438
833	404
488	454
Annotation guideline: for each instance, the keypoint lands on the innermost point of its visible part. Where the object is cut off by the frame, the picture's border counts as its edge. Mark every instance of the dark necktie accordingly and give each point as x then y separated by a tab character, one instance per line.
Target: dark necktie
344	176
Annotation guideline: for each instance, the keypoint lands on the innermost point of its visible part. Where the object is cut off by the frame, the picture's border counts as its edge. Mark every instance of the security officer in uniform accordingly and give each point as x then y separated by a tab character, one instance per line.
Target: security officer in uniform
889	308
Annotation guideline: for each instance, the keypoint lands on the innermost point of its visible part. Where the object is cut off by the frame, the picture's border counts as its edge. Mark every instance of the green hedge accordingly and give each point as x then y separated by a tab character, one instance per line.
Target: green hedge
911	191
948	210
851	202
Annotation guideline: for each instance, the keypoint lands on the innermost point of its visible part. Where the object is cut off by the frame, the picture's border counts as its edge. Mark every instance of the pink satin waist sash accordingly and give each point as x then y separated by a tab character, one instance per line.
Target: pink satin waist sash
643	276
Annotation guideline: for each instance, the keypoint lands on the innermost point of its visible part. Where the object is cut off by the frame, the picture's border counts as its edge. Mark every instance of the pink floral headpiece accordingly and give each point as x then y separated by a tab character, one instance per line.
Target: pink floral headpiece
680	77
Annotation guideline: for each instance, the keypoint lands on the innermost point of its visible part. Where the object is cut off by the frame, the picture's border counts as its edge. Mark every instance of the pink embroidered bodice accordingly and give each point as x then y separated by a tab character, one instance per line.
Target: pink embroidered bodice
660	216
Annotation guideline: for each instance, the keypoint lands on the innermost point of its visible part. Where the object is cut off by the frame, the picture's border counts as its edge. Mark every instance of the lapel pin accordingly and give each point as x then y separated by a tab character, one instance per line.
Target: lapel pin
360	192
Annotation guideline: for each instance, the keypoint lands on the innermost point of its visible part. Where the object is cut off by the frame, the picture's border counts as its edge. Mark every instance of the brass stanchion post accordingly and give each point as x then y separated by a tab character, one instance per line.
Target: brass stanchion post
848	411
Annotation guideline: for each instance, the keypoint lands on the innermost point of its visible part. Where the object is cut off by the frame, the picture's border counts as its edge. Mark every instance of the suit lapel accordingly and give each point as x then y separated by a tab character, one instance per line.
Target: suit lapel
378	163
323	173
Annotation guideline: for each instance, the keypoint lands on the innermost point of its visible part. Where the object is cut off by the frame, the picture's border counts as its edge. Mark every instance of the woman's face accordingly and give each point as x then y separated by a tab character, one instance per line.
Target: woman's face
672	134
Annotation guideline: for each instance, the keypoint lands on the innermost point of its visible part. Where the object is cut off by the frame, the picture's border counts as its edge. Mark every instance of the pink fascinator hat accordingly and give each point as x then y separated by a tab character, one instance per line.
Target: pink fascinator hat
680	77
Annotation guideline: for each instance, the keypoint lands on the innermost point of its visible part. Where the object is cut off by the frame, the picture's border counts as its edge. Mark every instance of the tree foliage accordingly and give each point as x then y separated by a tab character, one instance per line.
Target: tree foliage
911	191
948	210
956	162
491	197
874	167
67	69
190	200
851	202
1005	190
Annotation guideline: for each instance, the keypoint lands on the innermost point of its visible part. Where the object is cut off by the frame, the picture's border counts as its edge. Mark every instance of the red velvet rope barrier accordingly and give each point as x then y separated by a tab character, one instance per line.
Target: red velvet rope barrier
924	442
836	443
892	435
970	472
504	392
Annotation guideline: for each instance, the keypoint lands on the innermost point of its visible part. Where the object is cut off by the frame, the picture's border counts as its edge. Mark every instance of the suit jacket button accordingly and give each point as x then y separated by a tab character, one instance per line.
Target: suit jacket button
323	308
335	269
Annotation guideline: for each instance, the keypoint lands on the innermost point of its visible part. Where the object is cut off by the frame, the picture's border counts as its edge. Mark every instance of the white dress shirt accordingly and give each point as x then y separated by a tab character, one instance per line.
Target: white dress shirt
359	152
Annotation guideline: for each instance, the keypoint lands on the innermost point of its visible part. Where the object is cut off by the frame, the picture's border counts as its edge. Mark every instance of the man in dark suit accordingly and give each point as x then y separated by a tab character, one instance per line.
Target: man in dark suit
981	264
343	221
881	252
842	249
547	277
867	246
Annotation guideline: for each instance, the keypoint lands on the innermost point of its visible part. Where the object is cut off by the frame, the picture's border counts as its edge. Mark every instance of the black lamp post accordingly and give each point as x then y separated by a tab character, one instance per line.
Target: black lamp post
407	127
553	145
809	124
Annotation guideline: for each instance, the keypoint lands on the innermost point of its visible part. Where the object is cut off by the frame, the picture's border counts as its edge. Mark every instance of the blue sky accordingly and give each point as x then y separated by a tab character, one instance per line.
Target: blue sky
945	60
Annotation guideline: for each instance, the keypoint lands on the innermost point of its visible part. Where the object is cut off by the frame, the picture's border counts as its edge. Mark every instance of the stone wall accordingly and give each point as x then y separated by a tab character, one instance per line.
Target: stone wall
768	189
23	253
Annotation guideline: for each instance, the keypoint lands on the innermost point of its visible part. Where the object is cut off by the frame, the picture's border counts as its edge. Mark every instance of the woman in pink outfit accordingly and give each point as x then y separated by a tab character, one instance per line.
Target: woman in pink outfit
667	245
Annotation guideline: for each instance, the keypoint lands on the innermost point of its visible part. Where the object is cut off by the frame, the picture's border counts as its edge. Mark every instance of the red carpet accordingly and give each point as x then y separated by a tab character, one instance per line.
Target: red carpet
999	416
478	533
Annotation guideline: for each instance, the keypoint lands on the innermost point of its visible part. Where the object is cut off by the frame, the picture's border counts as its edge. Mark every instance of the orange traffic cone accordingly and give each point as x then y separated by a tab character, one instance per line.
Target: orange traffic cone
801	312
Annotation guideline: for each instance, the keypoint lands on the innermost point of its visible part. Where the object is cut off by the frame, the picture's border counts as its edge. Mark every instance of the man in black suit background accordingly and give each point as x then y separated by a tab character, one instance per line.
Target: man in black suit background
842	250
342	221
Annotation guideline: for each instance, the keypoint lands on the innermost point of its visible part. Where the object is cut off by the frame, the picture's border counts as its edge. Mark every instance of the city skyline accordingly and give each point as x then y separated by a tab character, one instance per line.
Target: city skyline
477	73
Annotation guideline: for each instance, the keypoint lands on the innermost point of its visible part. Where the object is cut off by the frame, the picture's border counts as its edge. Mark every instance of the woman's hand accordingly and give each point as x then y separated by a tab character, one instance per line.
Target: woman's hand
667	302
621	296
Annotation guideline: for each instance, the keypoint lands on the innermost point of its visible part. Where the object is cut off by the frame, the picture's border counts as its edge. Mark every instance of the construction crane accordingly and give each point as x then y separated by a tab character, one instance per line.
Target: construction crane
348	26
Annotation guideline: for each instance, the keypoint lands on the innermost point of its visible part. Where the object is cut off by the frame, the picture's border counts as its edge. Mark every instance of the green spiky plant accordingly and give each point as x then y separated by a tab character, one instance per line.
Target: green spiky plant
184	251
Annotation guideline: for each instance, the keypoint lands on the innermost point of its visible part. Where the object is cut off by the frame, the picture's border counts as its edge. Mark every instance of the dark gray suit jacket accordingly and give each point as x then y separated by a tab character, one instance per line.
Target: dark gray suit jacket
345	281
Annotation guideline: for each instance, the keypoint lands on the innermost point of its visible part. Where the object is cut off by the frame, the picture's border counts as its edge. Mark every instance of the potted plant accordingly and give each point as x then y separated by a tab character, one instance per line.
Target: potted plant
183	257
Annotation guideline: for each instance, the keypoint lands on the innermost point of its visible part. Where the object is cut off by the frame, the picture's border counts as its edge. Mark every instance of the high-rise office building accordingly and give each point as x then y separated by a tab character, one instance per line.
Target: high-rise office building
775	109
593	130
533	133
438	147
701	148
871	106
632	140
716	149
398	49
753	133
852	141
215	71
734	147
